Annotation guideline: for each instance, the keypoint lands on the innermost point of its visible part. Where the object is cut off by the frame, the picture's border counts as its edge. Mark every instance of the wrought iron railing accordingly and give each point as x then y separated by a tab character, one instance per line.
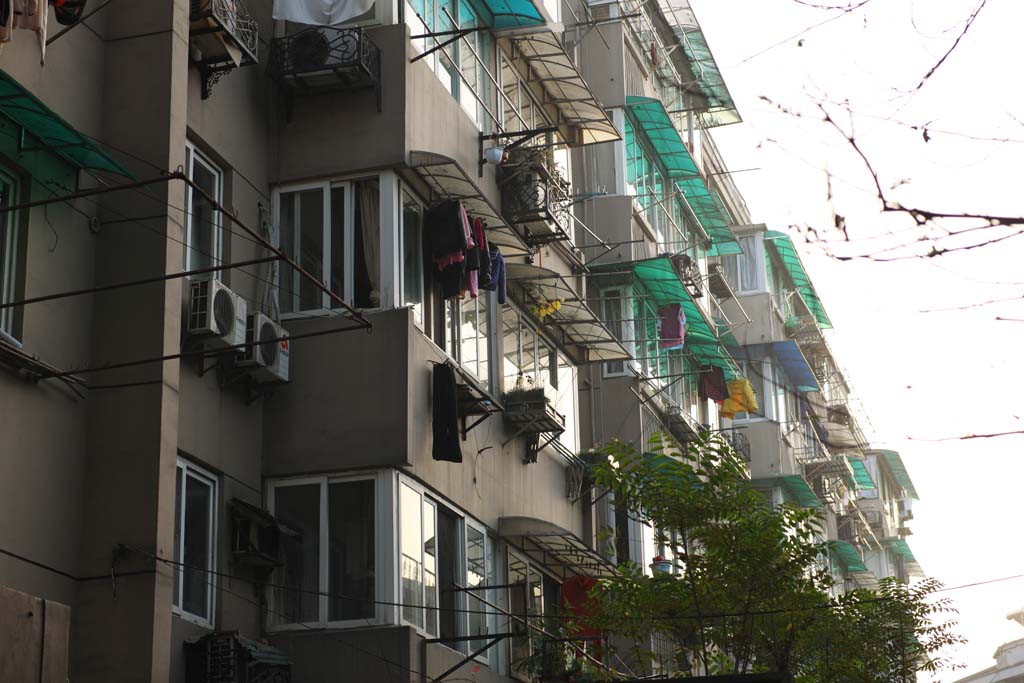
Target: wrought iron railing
326	58
739	442
535	195
224	35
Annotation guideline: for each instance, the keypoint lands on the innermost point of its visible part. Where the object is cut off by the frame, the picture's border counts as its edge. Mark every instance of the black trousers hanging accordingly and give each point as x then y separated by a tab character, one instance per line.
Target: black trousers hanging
446	414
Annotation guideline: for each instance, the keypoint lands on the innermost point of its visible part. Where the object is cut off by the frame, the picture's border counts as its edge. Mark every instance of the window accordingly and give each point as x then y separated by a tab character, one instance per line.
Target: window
329	531
529	358
10	249
746	271
464	65
412	256
615	310
195	542
332	230
202	222
442	553
536	594
466	335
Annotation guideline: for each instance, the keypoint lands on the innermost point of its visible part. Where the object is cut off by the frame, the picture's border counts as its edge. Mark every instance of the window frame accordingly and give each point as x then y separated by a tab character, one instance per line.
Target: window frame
187	469
383	508
451	317
192	153
428	498
407	196
621	298
11	252
389	228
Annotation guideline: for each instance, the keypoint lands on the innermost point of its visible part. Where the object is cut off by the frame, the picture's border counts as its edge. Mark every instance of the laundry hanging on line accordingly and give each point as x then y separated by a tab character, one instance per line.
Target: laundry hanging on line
711	385
445	395
30	15
320	12
673	327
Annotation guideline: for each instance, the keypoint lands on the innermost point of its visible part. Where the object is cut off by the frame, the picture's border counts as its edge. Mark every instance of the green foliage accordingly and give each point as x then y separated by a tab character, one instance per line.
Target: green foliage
752	591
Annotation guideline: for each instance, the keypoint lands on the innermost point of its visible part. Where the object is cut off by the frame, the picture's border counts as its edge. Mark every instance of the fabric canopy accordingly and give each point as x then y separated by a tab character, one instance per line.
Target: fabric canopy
848	556
532	285
792	360
656	125
55	134
899	471
718	108
447	179
900	547
783	247
861	476
797	488
661	280
586	120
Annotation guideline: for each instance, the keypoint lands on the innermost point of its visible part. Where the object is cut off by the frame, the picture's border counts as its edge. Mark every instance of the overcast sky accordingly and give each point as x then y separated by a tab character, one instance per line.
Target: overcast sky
924	378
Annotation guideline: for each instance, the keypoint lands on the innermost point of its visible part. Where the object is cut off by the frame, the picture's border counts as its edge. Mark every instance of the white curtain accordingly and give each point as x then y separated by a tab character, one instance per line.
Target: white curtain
369	212
320	12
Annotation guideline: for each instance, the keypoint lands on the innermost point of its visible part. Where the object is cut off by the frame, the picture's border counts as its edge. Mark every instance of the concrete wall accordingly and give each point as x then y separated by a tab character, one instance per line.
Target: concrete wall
766	323
35	633
769	455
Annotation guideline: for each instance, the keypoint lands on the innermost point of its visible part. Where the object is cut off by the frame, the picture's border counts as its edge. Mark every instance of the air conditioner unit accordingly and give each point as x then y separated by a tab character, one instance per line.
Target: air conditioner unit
874	517
267	362
216	313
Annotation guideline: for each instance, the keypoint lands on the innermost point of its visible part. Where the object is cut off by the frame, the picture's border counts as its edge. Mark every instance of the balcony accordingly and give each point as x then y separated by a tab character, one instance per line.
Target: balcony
326	59
536	197
222	37
529	412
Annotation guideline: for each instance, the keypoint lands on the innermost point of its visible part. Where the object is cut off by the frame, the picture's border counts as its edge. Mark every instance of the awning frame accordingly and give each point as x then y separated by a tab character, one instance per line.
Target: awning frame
436	169
565	554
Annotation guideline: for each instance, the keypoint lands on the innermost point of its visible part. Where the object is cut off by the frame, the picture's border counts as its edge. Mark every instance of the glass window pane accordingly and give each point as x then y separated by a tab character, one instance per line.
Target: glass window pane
203	221
510	347
287	283
298	510
528	361
310	224
351	553
178	483
476	575
8	257
196	547
483	345
412	256
366	243
411	542
337	242
430	566
468	336
519	603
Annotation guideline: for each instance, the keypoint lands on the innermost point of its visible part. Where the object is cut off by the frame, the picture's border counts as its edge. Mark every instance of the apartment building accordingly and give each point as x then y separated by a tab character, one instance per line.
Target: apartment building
241	397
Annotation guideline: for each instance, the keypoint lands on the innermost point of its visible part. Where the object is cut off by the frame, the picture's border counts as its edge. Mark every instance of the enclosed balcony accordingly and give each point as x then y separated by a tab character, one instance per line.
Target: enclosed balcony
222	37
536	197
326	59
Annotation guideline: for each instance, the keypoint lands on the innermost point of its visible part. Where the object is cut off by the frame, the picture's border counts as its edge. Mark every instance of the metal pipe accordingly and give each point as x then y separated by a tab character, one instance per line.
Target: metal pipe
132	283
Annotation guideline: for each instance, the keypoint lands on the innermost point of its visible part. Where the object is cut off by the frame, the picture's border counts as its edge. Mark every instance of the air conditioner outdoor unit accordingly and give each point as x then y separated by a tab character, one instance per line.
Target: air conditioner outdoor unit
216	313
266	362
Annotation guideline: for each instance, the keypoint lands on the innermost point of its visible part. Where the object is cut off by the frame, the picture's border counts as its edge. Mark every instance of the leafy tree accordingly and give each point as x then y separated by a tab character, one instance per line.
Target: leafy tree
751	589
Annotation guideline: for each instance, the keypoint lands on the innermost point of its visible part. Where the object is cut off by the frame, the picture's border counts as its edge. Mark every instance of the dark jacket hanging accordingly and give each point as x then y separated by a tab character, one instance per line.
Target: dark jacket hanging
444	229
446	414
497	281
711	384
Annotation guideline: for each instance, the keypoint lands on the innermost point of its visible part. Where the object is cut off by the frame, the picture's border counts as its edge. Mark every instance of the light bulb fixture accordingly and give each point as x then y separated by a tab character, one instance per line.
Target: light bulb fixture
494	155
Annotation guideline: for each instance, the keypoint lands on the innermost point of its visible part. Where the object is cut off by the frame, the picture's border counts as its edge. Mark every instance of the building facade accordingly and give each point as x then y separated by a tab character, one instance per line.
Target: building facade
226	313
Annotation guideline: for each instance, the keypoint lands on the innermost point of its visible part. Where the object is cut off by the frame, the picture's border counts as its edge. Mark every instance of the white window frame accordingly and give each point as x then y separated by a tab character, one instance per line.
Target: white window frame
452	317
9	268
187	469
620	297
761	274
427	497
192	154
390	253
384	539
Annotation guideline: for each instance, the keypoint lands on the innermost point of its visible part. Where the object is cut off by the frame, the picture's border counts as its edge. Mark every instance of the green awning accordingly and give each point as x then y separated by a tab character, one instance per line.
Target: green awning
910	563
509	14
53	132
656	125
661	280
899	471
786	251
848	556
718	108
861	476
797	488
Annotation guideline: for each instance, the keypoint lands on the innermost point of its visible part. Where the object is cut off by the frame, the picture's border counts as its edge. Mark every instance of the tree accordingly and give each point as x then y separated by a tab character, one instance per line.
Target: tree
752	587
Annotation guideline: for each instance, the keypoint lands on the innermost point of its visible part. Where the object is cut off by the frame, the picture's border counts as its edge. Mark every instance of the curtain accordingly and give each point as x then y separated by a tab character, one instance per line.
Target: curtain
369	211
320	12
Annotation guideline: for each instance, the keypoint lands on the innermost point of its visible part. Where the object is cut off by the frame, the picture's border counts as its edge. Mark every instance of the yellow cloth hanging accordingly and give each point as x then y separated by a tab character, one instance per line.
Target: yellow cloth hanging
741	399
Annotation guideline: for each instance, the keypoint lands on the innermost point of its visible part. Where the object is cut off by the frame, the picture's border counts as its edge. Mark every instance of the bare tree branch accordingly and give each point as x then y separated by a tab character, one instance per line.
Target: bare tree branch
945	56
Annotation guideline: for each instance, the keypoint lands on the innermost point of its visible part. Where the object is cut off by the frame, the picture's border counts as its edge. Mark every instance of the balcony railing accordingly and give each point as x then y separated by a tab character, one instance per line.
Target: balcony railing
223	36
326	58
536	197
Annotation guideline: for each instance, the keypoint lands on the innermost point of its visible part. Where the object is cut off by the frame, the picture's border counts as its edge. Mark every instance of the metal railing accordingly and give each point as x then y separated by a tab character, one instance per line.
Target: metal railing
535	194
326	57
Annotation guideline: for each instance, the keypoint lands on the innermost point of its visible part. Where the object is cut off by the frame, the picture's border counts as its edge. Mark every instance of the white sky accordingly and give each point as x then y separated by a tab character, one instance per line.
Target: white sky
919	375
